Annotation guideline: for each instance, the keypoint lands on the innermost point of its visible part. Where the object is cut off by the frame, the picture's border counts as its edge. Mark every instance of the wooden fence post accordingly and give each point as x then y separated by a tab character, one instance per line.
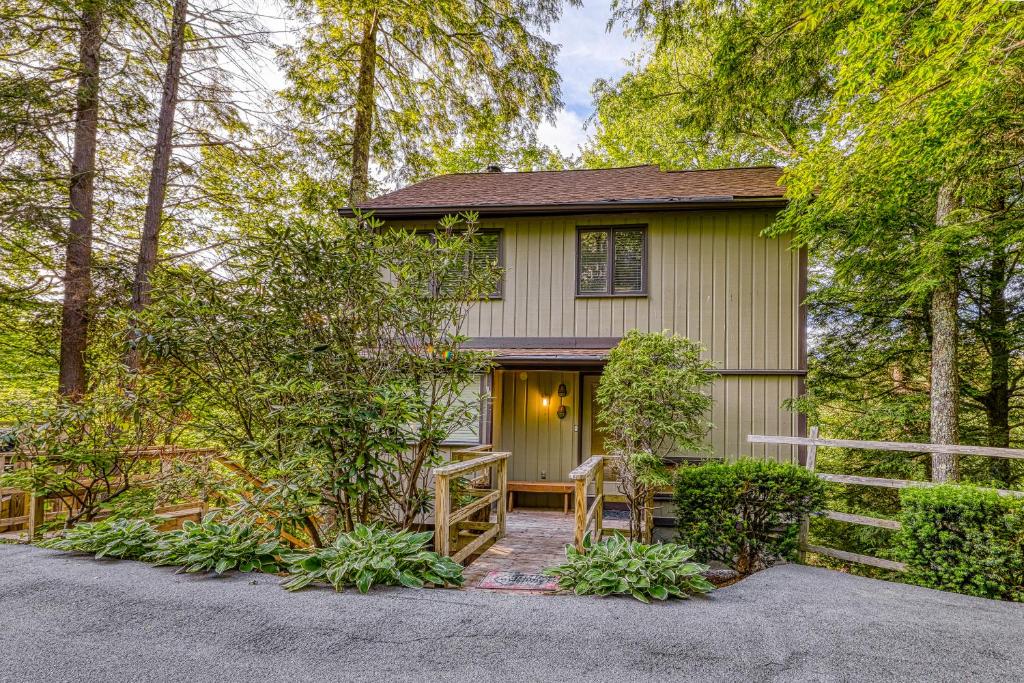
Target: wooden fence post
648	525
36	506
502	486
581	512
599	501
442	508
805	523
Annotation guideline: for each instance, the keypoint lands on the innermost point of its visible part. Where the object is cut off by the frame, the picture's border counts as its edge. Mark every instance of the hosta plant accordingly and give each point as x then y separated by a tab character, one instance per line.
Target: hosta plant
375	556
215	546
617	565
128	539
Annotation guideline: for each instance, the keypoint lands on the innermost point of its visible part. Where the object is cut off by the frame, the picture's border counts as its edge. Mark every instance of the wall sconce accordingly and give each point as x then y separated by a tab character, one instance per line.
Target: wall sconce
563	391
545	401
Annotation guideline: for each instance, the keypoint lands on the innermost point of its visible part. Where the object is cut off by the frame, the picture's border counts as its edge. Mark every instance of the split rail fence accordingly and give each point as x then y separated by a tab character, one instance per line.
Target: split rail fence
24	512
813	442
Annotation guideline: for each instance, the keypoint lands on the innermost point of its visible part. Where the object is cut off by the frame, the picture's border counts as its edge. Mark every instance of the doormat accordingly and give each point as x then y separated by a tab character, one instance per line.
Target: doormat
517	581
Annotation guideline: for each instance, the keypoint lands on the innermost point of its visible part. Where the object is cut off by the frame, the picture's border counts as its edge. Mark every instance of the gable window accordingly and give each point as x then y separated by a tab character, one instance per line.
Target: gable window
611	261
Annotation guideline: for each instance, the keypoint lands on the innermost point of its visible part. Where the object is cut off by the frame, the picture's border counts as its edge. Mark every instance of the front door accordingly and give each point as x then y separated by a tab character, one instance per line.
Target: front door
544	446
593	436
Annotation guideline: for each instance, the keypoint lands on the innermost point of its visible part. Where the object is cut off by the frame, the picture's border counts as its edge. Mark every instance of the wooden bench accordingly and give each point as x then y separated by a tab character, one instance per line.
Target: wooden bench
563	487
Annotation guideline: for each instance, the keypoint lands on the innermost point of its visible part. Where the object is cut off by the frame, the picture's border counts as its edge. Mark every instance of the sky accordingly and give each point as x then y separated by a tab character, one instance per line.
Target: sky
588	52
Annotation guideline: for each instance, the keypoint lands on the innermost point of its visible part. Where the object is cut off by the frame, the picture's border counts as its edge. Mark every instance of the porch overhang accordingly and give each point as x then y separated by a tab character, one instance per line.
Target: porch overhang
560	351
554	357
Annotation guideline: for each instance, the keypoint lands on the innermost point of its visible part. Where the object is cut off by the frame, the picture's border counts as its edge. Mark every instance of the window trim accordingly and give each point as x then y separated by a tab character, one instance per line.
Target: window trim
499	291
610	286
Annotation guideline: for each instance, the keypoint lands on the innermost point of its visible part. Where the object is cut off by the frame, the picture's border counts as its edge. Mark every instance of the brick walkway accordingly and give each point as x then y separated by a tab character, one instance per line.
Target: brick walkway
534	539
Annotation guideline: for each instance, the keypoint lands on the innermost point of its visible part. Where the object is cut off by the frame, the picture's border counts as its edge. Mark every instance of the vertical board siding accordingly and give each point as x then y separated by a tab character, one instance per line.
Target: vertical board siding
752	405
539	441
742	405
710	277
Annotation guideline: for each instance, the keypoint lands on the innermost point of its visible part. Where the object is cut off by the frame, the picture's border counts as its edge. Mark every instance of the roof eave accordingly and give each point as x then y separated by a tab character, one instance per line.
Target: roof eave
570	208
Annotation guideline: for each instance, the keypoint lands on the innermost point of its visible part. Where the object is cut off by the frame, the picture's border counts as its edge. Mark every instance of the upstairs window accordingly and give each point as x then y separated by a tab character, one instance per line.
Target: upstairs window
611	261
488	251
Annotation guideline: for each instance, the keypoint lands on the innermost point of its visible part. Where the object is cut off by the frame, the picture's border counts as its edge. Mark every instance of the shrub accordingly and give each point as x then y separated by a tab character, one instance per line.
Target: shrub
745	514
218	547
371	556
617	565
963	539
128	539
652	402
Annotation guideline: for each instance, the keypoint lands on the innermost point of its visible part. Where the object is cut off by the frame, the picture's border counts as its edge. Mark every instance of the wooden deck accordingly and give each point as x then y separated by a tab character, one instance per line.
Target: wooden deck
534	540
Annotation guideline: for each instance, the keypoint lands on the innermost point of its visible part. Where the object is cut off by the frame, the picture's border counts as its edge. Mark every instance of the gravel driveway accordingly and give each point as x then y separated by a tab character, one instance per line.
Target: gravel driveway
72	618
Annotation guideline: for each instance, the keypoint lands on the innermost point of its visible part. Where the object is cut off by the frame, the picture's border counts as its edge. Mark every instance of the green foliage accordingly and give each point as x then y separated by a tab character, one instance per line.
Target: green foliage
616	565
374	556
651	394
651	402
456	84
963	539
745	514
91	452
215	546
128	539
644	118
299	397
872	107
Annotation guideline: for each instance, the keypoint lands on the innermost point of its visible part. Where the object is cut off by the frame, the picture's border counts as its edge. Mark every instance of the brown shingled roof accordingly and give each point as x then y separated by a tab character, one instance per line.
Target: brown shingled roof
632	186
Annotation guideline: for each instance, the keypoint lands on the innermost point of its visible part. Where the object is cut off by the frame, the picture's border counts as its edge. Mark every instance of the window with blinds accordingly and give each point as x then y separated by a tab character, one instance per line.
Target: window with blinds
487	251
611	261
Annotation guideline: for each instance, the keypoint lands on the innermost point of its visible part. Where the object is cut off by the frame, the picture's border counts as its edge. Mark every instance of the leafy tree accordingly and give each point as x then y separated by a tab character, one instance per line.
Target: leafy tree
396	82
652	403
894	120
332	382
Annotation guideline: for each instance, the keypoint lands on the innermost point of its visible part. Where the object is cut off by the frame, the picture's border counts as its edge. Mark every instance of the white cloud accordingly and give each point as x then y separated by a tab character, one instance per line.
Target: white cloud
566	135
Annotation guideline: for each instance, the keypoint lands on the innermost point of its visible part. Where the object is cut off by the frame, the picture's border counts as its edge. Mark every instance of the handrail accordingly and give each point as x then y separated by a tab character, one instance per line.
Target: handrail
445	518
19	508
591	470
456	468
587	469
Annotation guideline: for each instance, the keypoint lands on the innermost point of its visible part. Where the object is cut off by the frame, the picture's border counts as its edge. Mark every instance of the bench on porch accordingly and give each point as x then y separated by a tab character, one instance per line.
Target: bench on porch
563	487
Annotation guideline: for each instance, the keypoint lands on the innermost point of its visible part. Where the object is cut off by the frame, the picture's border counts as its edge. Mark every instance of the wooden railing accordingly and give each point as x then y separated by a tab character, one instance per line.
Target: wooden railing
812	443
590	471
453	529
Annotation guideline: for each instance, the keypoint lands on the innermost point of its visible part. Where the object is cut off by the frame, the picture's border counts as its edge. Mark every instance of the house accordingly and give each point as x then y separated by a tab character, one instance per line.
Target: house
590	254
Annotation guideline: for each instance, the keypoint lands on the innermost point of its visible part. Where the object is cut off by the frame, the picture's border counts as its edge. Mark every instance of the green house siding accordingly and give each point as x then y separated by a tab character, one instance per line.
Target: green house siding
710	276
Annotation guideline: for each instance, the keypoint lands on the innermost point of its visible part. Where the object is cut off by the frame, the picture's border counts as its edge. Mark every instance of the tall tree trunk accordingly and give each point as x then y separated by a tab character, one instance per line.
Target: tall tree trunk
997	400
161	161
141	287
945	390
72	380
362	129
